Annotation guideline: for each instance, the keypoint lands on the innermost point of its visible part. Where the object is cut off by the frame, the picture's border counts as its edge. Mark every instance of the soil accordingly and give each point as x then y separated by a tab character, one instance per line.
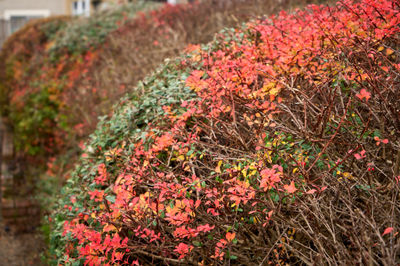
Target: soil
20	249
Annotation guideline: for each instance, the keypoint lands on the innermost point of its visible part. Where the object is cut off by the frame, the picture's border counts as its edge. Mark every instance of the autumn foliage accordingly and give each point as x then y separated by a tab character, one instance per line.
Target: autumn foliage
39	70
276	143
58	75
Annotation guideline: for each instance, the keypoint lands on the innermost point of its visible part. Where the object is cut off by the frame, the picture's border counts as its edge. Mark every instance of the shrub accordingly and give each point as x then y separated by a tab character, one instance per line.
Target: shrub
42	64
72	70
18	52
83	34
139	46
77	70
277	143
68	72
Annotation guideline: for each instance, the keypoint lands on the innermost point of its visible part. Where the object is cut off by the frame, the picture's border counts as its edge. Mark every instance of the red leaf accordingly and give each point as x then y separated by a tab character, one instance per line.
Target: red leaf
312	191
360	155
387	231
364	94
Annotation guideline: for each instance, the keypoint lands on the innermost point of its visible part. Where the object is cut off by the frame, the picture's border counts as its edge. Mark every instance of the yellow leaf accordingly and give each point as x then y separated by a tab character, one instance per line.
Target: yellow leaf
109	156
389	51
347	175
268	86
274	91
244	172
218	168
181	157
268	156
381	48
256	220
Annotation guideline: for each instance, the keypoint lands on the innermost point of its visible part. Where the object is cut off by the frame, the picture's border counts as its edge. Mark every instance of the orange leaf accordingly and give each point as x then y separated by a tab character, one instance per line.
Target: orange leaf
290	188
230	236
389	51
109	228
218	168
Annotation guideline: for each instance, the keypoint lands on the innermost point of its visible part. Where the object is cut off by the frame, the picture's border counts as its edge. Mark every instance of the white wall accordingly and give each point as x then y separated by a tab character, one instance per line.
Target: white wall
54	7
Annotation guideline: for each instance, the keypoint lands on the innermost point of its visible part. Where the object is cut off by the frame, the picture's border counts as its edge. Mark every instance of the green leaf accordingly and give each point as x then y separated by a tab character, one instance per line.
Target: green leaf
110	198
196	243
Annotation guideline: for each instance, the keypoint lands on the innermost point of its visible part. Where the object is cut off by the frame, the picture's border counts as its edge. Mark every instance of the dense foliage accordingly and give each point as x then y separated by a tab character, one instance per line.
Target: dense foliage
277	143
58	76
41	65
83	34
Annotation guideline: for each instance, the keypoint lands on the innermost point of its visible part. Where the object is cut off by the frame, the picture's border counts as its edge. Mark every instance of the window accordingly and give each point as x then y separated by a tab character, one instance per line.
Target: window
16	22
18	18
81	7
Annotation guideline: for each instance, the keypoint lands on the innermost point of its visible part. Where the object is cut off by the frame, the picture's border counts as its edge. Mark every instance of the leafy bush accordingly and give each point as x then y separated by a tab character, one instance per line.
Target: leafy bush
42	64
59	75
277	143
82	34
18	52
70	77
58	79
164	88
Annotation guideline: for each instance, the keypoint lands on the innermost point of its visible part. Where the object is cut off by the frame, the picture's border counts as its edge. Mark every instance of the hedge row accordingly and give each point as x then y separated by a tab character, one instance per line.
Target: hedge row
277	143
41	64
57	77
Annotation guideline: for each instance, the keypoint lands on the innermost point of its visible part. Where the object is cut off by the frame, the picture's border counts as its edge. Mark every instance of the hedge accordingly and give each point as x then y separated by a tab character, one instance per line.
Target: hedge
277	143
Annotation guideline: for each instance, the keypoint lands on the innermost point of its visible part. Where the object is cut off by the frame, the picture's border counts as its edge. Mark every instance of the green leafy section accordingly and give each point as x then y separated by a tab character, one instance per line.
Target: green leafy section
82	34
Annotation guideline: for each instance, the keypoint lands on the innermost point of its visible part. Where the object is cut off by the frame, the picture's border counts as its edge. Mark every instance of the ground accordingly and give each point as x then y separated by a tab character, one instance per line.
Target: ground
20	249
